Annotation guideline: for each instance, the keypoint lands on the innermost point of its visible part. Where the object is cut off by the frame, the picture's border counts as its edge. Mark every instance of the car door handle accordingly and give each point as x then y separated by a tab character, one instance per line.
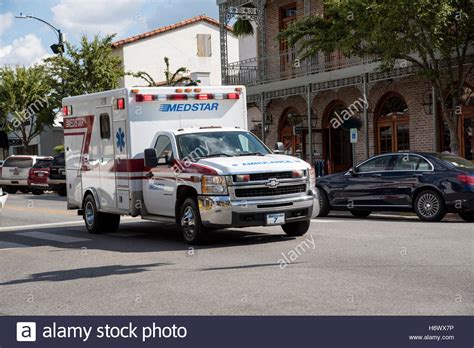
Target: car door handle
376	175
419	175
149	175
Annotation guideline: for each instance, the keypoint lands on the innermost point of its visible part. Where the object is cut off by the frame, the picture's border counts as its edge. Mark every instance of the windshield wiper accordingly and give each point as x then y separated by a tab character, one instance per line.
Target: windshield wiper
252	154
216	155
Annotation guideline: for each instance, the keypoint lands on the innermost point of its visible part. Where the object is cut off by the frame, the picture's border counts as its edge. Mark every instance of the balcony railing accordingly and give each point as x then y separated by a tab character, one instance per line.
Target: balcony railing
287	65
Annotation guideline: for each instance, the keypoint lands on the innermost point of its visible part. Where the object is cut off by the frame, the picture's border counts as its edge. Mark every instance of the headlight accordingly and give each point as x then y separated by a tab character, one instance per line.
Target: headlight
297	174
214	184
312	178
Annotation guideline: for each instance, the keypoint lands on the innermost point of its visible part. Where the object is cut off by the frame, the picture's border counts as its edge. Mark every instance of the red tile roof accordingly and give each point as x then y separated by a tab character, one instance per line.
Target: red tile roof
167	28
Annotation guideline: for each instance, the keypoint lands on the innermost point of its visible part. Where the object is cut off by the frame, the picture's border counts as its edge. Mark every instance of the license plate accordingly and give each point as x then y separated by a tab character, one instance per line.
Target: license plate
276	219
40	174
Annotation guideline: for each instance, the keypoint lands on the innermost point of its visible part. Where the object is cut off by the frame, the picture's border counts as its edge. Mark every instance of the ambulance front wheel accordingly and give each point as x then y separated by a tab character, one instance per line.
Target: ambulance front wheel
97	222
190	223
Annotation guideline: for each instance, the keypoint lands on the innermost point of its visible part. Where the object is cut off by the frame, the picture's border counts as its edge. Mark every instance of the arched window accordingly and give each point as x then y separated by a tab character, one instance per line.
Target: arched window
392	124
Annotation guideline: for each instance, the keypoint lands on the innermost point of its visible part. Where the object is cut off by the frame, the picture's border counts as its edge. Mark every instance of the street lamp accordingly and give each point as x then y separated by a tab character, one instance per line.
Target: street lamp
56	48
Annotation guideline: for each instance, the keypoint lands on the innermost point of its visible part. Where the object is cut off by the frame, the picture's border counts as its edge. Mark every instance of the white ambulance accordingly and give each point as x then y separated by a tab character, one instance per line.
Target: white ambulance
180	155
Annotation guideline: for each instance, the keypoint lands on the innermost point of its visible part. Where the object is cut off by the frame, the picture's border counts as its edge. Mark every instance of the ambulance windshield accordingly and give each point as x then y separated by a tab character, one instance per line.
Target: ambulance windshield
195	146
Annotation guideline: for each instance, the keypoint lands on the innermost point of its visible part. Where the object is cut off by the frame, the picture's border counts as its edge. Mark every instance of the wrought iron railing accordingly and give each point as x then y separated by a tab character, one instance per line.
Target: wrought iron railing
287	65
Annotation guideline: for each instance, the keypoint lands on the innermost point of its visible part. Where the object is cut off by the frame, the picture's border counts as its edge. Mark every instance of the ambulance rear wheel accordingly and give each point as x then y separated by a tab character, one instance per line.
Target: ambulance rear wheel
190	222
97	222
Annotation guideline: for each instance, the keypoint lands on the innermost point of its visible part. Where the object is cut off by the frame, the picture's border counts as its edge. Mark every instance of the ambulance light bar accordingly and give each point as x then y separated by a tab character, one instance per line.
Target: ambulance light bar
203	96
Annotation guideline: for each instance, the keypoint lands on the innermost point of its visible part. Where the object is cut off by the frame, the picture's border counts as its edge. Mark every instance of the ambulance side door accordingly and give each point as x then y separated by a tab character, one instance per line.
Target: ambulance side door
107	189
159	190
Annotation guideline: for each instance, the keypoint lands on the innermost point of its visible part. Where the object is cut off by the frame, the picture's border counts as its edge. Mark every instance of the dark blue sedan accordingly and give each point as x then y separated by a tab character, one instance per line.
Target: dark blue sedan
429	184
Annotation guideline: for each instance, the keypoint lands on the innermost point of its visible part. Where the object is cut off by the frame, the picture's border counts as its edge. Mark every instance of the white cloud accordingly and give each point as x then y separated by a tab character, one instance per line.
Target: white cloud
93	17
6	21
26	50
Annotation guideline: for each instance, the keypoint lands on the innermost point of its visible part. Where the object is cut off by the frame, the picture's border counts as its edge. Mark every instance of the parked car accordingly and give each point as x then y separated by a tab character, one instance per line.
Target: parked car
57	175
38	176
429	184
14	173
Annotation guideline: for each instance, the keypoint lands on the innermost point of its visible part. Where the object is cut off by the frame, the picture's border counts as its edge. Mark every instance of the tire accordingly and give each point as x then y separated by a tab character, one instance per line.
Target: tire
97	222
296	229
10	189
37	192
190	222
361	213
324	206
467	216
429	206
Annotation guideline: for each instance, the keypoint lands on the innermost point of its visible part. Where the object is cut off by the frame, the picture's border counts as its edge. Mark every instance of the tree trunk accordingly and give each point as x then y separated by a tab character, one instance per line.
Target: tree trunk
454	136
451	119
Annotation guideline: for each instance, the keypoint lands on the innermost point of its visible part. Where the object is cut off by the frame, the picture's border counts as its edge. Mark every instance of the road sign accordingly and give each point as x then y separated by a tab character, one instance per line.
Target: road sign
353	135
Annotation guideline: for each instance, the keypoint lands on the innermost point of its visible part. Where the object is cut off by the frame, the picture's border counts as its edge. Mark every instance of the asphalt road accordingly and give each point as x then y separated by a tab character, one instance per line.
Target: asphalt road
382	265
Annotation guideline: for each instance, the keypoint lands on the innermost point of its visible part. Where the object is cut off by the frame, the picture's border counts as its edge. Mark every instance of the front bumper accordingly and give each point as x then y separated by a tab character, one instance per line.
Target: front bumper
222	211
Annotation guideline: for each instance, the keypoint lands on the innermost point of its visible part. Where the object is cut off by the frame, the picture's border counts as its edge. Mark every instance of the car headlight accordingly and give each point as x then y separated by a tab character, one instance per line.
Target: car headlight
214	184
312	178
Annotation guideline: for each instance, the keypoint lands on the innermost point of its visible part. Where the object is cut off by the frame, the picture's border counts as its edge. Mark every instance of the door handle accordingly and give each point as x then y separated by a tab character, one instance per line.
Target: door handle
149	175
377	175
419	175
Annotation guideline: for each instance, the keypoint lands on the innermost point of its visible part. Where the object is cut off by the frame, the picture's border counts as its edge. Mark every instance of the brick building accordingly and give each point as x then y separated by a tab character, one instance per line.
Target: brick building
299	102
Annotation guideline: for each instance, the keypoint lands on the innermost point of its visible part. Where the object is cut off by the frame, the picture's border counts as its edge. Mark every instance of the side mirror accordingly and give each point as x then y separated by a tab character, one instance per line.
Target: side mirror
353	171
279	148
151	161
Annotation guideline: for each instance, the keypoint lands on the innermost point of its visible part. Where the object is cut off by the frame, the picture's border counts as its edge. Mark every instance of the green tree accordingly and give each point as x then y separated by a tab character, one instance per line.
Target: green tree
87	68
171	78
434	35
25	101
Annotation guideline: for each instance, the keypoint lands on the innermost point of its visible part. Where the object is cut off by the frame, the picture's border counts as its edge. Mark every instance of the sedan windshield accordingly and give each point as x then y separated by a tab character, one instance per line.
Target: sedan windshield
456	161
195	146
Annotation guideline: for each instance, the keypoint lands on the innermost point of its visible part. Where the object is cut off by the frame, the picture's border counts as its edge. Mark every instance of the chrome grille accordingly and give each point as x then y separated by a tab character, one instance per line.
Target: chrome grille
268	192
267	176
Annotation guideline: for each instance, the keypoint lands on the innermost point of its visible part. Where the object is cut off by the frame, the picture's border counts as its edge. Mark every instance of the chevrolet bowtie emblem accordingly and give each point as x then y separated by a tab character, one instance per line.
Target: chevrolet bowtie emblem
272	183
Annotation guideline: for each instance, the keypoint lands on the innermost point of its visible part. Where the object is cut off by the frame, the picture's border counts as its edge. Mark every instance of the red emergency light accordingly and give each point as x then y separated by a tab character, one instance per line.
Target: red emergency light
178	97
67	110
204	96
120	103
233	96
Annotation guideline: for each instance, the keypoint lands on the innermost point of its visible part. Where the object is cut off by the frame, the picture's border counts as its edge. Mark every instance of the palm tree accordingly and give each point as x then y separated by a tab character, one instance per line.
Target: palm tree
171	78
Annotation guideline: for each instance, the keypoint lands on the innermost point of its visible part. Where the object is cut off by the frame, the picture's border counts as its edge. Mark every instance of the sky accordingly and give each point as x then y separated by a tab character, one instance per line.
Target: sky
27	41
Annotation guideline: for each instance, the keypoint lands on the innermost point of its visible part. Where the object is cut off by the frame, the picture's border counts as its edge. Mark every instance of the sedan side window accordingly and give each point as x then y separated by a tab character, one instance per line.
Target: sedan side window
410	162
375	165
164	149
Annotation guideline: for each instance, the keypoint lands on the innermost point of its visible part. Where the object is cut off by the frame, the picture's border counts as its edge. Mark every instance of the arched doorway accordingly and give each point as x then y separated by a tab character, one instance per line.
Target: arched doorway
292	141
465	126
337	147
392	124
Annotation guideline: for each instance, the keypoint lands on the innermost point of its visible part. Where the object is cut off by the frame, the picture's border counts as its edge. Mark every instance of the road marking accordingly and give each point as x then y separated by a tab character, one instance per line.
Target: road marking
126	234
40	210
52	236
51	224
9	245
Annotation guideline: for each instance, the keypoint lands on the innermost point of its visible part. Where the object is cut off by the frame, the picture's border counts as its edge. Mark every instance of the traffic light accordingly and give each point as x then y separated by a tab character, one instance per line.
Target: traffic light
57	48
